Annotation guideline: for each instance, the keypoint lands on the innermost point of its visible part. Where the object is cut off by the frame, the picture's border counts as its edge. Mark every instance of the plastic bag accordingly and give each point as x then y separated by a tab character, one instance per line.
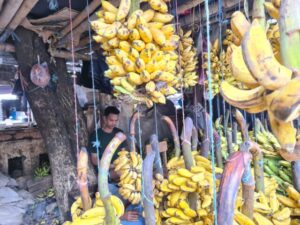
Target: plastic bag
39	75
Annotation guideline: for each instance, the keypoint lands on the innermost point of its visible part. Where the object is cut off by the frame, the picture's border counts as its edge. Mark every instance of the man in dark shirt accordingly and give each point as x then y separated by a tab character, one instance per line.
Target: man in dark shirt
105	135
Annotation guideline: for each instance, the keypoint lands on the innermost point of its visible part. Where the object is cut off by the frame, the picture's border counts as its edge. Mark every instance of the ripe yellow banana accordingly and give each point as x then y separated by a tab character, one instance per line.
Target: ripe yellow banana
123	9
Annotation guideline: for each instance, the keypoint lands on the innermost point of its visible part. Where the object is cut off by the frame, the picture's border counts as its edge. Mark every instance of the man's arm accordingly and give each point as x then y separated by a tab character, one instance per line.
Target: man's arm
94	159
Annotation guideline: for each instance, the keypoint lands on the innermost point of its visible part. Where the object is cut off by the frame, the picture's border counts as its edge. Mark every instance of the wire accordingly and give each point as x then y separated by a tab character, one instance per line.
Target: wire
97	145
74	80
211	113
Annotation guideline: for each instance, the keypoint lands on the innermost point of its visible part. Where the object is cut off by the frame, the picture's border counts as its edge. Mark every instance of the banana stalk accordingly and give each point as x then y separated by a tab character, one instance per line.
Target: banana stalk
248	191
258	12
135	5
148	176
218	149
194	139
230	181
132	130
187	154
109	151
258	164
174	134
289	26
82	167
229	142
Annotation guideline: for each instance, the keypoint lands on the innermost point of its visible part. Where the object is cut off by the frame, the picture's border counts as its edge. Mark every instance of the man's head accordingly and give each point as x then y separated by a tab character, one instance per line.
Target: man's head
111	117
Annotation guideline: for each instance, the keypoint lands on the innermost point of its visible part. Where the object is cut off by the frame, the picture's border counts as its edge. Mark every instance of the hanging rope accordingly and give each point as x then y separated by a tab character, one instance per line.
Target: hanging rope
180	66
211	113
97	143
74	80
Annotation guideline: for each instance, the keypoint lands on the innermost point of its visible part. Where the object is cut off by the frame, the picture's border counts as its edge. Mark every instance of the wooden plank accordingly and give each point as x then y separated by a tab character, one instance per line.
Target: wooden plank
22	13
4	47
9	10
68	55
163	147
80	17
190	4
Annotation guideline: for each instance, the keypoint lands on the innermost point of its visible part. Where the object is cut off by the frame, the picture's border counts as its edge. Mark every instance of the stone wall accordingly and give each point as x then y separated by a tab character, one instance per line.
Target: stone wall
26	143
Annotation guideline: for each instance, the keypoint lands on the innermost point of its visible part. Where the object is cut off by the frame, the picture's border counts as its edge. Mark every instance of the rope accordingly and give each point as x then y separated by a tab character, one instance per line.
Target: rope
181	86
97	142
74	81
211	112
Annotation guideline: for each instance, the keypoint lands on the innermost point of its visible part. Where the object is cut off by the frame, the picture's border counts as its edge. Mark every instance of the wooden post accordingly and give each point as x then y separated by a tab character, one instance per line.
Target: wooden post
8	12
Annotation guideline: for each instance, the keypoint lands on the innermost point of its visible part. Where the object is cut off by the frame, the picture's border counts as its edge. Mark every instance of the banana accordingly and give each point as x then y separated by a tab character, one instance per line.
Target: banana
131	22
185	173
242	98
272	10
239	68
158	36
123	33
293	193
283	214
107	6
134	79
123	9
287	201
148	15
283	222
162	17
260	60
285	104
274	204
139	45
242	219
261	220
98	212
284	132
118	205
239	24
134	35
139	65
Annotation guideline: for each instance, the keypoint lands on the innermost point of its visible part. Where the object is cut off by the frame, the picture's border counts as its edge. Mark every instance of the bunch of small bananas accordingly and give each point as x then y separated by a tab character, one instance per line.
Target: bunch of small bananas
129	166
140	50
188	60
95	215
220	67
182	182
273	35
230	38
269	207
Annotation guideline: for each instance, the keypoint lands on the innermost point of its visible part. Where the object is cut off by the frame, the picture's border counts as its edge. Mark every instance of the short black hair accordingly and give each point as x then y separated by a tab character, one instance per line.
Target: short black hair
111	110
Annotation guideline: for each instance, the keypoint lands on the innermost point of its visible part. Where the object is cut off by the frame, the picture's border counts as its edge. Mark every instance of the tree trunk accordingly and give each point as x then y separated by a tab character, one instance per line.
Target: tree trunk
53	109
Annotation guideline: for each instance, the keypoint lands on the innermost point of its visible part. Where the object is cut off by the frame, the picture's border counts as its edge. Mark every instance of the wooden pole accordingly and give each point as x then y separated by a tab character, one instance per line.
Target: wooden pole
8	12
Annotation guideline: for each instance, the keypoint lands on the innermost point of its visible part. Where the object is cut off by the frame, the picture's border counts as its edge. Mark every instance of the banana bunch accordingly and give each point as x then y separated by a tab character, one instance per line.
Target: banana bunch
273	8
95	215
273	35
140	50
129	166
230	38
158	197
270	84
180	184
188	60
270	208
220	67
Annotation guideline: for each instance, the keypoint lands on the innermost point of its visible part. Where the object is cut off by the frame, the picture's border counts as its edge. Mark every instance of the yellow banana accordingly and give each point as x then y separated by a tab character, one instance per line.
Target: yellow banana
123	9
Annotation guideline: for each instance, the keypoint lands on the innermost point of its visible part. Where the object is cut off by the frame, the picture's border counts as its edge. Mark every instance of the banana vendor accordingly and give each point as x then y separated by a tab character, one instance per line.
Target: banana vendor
105	134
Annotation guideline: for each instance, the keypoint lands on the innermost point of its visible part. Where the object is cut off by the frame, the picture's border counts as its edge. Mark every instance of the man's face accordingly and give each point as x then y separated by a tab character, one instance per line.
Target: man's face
111	120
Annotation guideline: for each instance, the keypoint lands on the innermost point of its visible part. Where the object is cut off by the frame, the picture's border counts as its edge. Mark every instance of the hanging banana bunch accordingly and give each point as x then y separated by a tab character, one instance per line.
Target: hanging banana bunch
188	60
140	50
129	166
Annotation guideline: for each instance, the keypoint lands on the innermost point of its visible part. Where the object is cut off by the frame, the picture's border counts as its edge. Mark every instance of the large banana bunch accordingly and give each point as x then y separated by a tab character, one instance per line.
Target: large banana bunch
188	60
129	166
95	215
271	85
140	50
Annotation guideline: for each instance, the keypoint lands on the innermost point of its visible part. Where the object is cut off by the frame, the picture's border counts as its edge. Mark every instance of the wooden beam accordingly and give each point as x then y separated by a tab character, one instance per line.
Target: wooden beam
7	47
7	73
189	5
68	55
23	11
9	10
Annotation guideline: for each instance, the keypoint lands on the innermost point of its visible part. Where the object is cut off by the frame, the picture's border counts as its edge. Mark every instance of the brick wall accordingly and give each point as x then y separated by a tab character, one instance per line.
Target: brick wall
26	143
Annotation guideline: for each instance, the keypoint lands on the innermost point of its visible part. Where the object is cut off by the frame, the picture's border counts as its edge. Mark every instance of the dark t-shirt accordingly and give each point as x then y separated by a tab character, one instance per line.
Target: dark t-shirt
104	139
